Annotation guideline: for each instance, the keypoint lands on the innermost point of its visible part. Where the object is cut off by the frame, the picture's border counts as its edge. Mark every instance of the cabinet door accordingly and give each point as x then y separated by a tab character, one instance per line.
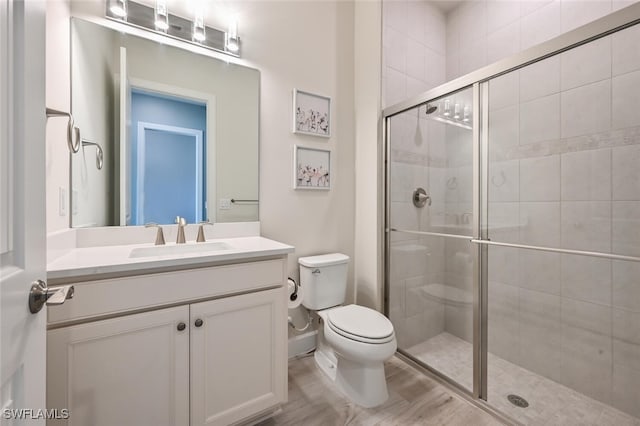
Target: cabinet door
238	357
132	370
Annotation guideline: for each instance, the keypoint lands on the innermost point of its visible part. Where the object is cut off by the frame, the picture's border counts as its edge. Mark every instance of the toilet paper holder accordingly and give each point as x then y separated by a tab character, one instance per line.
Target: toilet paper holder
293	296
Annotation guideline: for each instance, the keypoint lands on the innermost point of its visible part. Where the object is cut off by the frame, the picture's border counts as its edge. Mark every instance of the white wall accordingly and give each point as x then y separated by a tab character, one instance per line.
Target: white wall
304	45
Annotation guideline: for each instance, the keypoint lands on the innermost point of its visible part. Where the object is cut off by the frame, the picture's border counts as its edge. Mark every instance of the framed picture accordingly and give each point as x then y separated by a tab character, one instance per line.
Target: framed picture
312	168
311	114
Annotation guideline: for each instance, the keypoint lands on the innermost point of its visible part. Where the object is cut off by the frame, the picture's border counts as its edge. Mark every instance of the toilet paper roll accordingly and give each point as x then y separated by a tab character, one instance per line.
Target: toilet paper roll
294	299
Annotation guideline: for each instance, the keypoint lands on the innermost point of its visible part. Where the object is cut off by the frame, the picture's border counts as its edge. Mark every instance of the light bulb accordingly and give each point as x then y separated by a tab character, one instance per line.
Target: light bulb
161	15
118	8
198	27
232	37
456	111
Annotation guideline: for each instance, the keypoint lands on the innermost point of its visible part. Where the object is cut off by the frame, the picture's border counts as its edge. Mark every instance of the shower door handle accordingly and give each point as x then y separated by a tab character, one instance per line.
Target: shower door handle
420	198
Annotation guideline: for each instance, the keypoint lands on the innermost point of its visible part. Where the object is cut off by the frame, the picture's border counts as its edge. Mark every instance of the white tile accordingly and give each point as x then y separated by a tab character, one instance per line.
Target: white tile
458	320
540	79
626	173
396	87
541	25
416	20
586	225
435	29
540	178
503	91
625	395
504	181
503	312
626	291
626	330
576	13
586	278
586	175
415	60
434	67
586	64
625	98
626	50
453	66
540	271
473	20
396	49
415	86
503	221
530	6
540	336
586	109
626	227
504	266
501	13
540	223
586	348
394	15
540	120
621	4
503	43
404	215
473	55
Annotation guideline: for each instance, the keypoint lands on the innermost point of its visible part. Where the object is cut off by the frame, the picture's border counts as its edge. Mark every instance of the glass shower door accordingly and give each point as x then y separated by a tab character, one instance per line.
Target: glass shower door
430	257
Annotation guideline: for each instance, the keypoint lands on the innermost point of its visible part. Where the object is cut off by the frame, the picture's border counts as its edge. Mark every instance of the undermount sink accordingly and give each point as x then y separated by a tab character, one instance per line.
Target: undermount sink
178	249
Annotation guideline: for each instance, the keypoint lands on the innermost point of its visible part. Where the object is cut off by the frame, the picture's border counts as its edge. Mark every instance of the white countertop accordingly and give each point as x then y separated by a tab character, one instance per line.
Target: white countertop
115	259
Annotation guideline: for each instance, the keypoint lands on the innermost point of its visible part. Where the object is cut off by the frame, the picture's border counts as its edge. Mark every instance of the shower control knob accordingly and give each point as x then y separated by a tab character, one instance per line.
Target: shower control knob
182	326
198	322
420	198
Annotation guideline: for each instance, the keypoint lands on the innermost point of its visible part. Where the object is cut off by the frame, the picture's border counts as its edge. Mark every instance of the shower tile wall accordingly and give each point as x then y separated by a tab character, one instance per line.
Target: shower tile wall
564	144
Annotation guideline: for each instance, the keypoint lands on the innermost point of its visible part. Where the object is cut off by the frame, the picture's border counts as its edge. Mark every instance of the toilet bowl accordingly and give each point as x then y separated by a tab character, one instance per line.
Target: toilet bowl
354	341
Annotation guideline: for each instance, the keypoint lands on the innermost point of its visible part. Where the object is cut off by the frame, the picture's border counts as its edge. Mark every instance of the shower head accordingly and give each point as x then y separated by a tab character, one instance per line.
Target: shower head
431	109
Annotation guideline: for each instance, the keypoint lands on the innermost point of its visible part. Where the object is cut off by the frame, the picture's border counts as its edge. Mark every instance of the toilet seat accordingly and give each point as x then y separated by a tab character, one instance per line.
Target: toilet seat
360	324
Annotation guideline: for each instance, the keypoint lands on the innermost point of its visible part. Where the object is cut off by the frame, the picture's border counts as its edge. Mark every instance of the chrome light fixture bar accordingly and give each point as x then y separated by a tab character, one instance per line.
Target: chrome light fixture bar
145	17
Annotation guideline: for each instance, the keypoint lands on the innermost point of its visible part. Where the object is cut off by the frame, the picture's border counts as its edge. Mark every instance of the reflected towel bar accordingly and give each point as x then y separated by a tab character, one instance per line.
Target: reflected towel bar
235	201
99	152
73	143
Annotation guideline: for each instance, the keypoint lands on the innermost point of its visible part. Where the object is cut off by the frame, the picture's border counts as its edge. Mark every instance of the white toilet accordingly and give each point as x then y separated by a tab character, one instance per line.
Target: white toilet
354	341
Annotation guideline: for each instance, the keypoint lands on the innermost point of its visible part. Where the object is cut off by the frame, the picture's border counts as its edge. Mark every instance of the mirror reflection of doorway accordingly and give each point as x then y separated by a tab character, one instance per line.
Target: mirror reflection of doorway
168	141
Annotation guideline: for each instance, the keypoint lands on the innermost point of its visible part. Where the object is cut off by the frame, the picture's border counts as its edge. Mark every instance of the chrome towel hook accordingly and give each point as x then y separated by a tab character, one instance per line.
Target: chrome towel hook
99	153
73	133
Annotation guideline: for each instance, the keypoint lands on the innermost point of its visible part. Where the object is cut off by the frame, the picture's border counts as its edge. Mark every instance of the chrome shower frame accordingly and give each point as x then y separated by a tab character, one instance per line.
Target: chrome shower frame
479	82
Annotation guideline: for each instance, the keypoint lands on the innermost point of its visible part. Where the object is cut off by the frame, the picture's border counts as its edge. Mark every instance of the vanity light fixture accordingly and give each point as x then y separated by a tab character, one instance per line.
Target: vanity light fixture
158	20
231	38
161	16
118	8
456	111
199	34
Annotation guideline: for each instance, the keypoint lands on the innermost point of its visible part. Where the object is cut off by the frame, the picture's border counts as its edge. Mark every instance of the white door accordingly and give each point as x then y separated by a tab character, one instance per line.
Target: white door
238	357
22	201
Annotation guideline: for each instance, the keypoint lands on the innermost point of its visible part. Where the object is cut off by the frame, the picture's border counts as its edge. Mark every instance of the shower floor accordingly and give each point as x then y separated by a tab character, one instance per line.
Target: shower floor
550	403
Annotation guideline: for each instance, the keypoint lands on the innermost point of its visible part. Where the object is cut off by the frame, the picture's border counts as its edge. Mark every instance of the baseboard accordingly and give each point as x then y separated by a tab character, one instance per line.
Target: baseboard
302	343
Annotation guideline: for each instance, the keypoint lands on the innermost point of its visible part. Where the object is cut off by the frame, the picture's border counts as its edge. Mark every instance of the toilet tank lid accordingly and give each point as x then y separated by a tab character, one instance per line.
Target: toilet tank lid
323	260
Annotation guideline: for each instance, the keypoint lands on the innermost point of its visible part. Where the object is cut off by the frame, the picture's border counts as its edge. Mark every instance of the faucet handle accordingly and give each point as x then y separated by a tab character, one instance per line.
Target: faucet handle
181	221
159	234
200	238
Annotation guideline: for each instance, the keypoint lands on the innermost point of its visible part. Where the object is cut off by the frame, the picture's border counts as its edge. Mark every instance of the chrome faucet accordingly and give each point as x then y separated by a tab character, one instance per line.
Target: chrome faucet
182	222
159	234
200	238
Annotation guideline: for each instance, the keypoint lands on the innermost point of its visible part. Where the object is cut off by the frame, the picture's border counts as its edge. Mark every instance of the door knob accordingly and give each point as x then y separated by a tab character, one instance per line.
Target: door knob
182	326
41	294
198	323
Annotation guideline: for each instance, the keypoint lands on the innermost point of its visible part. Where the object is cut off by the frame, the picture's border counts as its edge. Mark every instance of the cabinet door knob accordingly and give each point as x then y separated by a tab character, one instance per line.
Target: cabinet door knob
198	322
182	326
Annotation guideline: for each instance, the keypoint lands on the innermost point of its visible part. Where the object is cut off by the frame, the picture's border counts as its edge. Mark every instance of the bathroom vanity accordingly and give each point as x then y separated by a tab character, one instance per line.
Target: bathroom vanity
188	336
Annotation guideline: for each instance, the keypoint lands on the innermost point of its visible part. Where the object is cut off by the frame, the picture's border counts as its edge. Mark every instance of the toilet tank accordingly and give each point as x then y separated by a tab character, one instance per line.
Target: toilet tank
324	280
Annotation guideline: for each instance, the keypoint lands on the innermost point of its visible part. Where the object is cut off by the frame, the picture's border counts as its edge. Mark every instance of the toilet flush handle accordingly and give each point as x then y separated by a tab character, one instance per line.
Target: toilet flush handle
315	271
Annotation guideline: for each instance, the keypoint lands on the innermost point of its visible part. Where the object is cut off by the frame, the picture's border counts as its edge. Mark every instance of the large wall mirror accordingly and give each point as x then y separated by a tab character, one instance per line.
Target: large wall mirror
178	132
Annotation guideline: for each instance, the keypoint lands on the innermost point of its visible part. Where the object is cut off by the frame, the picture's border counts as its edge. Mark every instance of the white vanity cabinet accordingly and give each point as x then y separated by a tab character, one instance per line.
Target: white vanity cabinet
217	358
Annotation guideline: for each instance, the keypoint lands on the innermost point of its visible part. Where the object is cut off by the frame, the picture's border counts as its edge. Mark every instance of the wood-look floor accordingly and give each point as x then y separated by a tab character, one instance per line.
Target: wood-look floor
414	399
